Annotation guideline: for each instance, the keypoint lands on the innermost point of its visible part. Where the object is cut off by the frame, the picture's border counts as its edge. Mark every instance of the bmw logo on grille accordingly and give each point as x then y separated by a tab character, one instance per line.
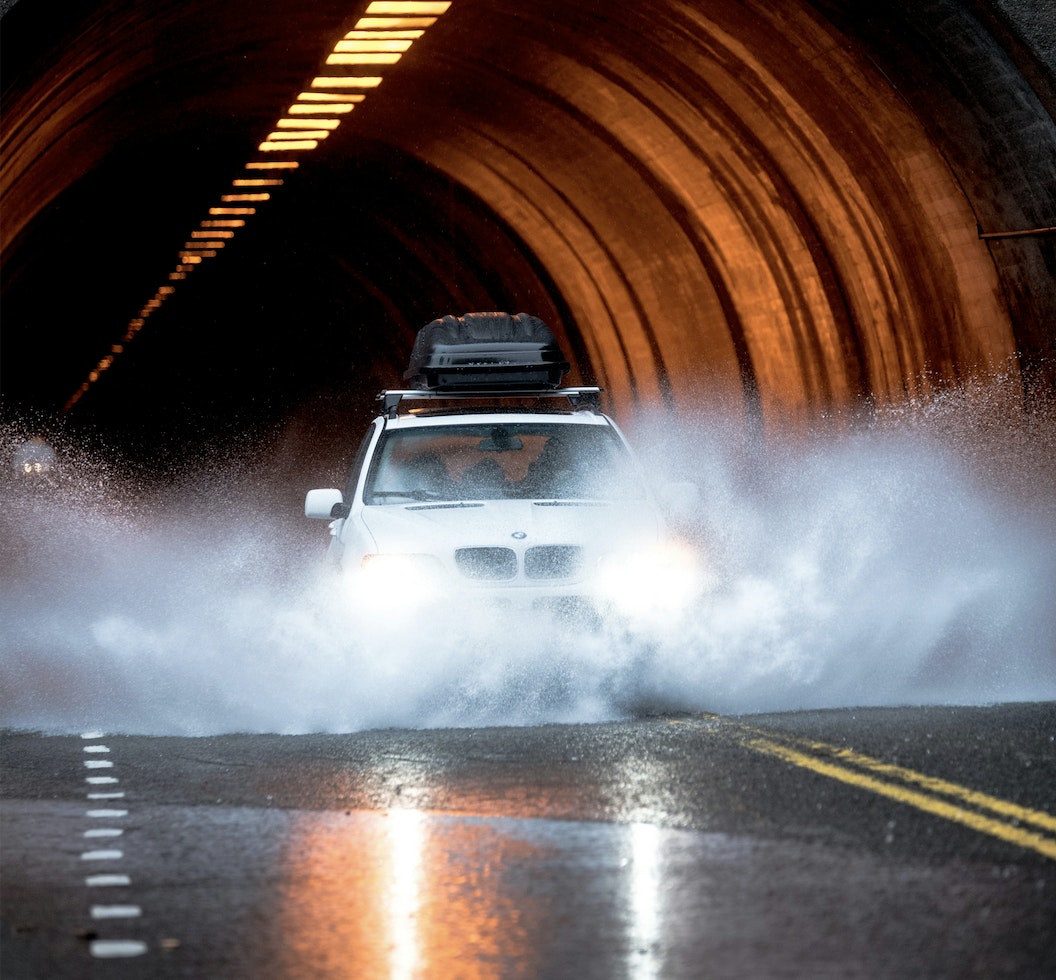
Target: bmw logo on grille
519	535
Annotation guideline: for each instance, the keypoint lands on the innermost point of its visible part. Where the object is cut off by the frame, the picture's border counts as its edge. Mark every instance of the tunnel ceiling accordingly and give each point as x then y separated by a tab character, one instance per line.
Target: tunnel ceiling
782	209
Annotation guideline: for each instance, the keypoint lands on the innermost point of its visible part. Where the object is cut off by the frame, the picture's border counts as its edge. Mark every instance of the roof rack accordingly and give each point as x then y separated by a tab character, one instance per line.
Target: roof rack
588	397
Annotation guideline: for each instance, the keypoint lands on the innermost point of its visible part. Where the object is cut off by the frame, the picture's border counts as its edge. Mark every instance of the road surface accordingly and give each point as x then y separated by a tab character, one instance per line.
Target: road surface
872	843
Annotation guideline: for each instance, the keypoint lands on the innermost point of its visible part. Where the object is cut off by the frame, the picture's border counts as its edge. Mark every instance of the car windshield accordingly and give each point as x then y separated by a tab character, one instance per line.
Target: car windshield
490	461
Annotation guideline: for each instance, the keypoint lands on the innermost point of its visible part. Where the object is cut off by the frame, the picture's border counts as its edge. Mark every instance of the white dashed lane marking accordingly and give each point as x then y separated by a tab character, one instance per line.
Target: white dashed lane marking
115	948
107	948
102	855
116	911
107	881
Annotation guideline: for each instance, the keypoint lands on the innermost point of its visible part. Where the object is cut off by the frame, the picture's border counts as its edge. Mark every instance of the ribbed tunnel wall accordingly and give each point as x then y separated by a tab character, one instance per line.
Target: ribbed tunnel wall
776	205
736	187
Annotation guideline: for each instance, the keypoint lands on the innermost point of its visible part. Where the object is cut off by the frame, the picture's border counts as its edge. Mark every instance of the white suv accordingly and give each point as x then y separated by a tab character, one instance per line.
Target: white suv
539	506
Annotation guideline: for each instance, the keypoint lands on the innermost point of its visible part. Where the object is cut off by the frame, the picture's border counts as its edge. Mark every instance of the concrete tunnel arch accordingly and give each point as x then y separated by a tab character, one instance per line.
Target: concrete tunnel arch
775	206
742	201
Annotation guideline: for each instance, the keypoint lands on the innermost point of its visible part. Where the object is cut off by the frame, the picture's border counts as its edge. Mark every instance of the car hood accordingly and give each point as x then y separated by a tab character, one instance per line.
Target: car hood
439	528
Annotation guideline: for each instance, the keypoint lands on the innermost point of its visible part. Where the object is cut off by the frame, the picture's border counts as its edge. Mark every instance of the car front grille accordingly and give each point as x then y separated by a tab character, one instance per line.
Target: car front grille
542	562
553	561
490	564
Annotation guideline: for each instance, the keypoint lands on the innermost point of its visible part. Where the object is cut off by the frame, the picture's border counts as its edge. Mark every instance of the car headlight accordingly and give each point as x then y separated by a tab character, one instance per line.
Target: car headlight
417	578
656	581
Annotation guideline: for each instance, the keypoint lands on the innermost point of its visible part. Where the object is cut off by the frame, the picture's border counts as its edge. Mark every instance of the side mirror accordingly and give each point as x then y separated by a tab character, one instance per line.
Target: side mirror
681	500
325	504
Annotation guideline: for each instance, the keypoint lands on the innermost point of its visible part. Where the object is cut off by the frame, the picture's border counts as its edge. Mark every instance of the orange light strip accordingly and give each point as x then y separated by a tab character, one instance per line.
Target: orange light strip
346	81
328	96
333	107
384	23
273	165
372	58
408	7
300	134
379	39
272	146
354	45
381	34
304	124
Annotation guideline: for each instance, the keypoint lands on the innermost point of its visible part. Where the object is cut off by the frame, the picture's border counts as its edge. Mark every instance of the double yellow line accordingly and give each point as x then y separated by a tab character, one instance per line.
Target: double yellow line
1019	825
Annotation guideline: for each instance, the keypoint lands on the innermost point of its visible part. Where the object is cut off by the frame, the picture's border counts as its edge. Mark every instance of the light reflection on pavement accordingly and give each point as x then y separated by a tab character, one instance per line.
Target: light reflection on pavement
653	848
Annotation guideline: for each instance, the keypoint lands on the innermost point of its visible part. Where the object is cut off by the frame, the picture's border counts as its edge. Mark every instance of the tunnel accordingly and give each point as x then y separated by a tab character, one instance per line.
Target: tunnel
788	212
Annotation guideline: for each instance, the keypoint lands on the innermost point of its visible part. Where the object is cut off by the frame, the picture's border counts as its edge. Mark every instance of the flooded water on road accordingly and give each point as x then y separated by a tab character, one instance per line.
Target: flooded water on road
908	561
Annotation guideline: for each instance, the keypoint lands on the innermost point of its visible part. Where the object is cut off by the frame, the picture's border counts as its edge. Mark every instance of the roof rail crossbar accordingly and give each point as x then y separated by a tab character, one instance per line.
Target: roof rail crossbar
586	397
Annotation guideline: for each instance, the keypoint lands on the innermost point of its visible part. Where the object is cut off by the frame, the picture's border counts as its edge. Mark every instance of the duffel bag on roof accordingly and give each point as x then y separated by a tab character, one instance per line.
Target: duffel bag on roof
486	351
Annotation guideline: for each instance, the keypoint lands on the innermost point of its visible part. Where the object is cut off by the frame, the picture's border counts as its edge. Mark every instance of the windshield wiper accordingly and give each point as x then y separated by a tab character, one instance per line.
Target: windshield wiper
419	494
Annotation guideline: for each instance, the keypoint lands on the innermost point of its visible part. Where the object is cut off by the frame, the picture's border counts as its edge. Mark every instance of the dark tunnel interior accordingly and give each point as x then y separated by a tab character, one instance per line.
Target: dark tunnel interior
785	210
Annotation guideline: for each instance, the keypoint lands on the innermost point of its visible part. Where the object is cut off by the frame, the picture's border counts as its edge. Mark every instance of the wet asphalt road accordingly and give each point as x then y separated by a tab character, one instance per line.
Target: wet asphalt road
871	843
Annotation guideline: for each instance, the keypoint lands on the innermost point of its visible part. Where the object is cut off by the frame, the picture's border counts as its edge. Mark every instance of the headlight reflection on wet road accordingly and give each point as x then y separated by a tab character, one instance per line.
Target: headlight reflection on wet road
406	832
645	884
411	893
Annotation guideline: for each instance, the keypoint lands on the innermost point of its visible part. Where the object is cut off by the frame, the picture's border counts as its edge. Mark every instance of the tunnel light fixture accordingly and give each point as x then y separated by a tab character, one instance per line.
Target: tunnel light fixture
273	165
364	58
299	134
335	108
286	146
435	7
275	146
368	44
343	97
381	34
346	81
389	23
378	40
304	124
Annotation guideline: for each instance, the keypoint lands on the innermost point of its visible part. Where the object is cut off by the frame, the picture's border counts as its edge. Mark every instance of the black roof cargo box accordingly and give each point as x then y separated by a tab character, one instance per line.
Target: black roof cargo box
486	351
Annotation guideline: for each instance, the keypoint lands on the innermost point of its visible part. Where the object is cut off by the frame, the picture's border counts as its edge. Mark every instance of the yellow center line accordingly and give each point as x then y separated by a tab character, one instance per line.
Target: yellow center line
929	804
1014	811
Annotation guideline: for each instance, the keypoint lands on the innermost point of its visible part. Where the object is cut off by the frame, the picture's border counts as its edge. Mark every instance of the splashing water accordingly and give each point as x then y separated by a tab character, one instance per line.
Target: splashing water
910	563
